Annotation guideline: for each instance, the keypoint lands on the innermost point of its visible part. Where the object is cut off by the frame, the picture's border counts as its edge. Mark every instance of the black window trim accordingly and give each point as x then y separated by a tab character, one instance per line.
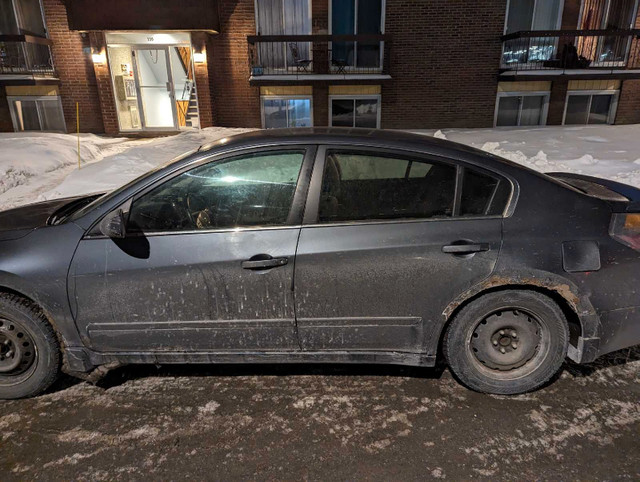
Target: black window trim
311	212
294	219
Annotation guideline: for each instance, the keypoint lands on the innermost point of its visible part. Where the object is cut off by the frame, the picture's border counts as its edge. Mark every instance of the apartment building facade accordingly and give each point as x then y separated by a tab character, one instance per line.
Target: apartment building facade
148	67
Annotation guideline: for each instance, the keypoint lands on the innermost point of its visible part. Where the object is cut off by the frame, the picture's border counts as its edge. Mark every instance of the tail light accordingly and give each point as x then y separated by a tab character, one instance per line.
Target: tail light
625	228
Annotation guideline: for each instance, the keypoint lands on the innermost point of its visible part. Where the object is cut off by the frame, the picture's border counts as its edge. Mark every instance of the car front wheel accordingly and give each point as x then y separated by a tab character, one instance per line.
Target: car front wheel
29	349
507	342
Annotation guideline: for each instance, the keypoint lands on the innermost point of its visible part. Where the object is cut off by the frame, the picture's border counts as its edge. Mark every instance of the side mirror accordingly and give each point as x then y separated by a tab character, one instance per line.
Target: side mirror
113	225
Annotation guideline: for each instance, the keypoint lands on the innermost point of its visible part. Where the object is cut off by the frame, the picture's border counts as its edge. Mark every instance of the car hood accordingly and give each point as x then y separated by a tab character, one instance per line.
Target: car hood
18	222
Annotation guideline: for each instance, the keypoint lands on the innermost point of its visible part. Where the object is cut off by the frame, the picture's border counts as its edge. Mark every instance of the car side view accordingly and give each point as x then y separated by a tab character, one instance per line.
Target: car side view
324	246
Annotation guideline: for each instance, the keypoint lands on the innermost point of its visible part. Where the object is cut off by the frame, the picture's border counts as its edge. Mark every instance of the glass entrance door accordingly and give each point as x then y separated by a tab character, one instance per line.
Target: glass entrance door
156	87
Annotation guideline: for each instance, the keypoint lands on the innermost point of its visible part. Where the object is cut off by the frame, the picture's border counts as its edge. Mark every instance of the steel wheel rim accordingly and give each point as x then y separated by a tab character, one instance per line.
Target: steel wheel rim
500	360
17	349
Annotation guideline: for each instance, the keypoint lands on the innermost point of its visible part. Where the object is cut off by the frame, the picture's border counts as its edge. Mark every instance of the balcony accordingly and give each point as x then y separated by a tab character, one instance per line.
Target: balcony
319	57
565	52
25	57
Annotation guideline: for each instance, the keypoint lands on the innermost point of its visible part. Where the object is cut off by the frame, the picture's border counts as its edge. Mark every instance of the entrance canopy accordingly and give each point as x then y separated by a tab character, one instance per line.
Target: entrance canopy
87	15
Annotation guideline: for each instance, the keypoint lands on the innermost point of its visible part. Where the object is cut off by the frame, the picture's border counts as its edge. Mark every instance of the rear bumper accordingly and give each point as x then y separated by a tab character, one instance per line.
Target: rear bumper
619	329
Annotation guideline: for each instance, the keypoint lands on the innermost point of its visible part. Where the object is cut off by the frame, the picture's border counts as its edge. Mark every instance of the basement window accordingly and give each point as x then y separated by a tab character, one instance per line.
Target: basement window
354	111
282	112
31	113
521	109
590	107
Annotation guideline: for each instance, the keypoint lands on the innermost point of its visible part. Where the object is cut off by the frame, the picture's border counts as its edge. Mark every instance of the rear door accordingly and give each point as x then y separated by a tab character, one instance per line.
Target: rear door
389	239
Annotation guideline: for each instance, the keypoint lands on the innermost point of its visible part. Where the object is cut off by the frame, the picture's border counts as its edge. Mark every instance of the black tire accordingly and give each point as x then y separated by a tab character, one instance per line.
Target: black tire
29	349
481	343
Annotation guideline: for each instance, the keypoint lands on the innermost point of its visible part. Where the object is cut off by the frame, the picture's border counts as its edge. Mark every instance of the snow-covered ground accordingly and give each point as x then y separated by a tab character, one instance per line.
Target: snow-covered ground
40	166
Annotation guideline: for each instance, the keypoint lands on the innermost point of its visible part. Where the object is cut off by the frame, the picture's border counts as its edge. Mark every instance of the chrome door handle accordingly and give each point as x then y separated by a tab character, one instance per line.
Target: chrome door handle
264	262
465	248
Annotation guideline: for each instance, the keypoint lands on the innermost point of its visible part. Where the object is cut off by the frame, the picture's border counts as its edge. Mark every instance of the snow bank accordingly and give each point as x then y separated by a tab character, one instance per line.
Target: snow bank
611	152
120	168
39	166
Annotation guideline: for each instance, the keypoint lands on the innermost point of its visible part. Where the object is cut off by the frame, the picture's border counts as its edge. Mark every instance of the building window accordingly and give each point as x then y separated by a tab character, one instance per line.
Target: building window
357	17
19	17
31	113
290	111
283	17
590	107
524	15
606	15
354	111
521	109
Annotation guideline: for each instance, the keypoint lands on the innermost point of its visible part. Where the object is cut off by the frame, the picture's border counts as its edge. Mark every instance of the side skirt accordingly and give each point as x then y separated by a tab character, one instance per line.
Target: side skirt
80	360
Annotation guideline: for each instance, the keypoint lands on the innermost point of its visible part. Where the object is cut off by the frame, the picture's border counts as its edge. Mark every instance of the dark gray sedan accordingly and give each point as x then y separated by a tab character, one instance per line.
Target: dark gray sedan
324	245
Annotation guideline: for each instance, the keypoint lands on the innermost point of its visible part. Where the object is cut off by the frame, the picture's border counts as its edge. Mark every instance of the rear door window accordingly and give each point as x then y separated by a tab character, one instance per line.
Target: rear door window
359	186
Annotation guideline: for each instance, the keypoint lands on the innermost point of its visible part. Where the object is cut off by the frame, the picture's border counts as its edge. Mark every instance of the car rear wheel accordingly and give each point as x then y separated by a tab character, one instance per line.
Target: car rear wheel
29	349
507	342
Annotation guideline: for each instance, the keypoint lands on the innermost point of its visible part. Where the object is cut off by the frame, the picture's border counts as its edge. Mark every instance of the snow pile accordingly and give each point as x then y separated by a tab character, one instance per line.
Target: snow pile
36	166
120	168
39	166
611	152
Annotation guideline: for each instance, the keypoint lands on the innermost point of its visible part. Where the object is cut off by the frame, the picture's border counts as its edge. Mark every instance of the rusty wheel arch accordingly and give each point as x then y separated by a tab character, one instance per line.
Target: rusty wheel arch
581	316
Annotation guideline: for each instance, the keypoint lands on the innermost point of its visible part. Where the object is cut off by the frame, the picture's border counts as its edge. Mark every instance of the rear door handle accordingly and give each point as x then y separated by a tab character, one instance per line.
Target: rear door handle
465	248
264	262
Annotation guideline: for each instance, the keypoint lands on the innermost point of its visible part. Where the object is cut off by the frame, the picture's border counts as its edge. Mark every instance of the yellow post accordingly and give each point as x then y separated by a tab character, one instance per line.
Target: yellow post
78	130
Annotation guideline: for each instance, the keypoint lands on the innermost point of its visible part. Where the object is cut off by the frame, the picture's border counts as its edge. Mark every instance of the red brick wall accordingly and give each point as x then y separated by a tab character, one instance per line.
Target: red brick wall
629	103
557	99
5	116
105	87
203	86
77	79
235	103
444	63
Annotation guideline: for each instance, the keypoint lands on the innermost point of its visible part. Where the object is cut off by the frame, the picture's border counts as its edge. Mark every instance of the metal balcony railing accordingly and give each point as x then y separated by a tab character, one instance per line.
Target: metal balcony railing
301	55
26	55
571	49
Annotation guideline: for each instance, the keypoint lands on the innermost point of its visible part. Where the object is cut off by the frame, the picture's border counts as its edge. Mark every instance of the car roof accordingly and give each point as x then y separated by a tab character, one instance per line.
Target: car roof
343	135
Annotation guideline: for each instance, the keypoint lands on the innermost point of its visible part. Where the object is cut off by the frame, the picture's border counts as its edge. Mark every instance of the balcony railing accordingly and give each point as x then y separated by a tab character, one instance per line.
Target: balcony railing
600	50
303	55
26	55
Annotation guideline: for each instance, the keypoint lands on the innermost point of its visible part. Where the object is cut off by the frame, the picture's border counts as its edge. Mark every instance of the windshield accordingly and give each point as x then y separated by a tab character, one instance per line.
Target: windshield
110	195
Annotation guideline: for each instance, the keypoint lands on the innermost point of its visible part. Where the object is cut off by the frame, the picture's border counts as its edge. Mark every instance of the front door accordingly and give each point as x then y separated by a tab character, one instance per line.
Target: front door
389	240
207	263
155	85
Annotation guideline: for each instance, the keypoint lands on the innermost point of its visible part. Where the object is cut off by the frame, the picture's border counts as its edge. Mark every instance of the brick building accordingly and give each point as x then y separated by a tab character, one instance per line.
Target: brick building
144	67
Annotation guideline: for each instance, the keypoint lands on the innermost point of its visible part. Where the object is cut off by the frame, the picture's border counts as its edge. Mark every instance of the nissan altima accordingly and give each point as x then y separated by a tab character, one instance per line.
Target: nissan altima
324	246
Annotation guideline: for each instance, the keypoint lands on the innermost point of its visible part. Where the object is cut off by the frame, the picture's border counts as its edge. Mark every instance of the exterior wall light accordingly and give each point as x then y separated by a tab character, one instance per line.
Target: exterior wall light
200	57
99	57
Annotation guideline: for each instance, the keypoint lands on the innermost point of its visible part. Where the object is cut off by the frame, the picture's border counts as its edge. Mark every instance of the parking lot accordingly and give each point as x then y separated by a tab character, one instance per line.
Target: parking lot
325	422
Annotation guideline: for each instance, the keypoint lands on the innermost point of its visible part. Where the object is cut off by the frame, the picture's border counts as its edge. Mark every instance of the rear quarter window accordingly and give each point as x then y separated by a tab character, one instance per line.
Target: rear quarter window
483	194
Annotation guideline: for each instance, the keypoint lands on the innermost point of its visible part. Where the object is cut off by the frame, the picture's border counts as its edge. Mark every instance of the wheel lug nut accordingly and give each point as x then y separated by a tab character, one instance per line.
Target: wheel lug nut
495	342
514	334
502	332
514	345
502	350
